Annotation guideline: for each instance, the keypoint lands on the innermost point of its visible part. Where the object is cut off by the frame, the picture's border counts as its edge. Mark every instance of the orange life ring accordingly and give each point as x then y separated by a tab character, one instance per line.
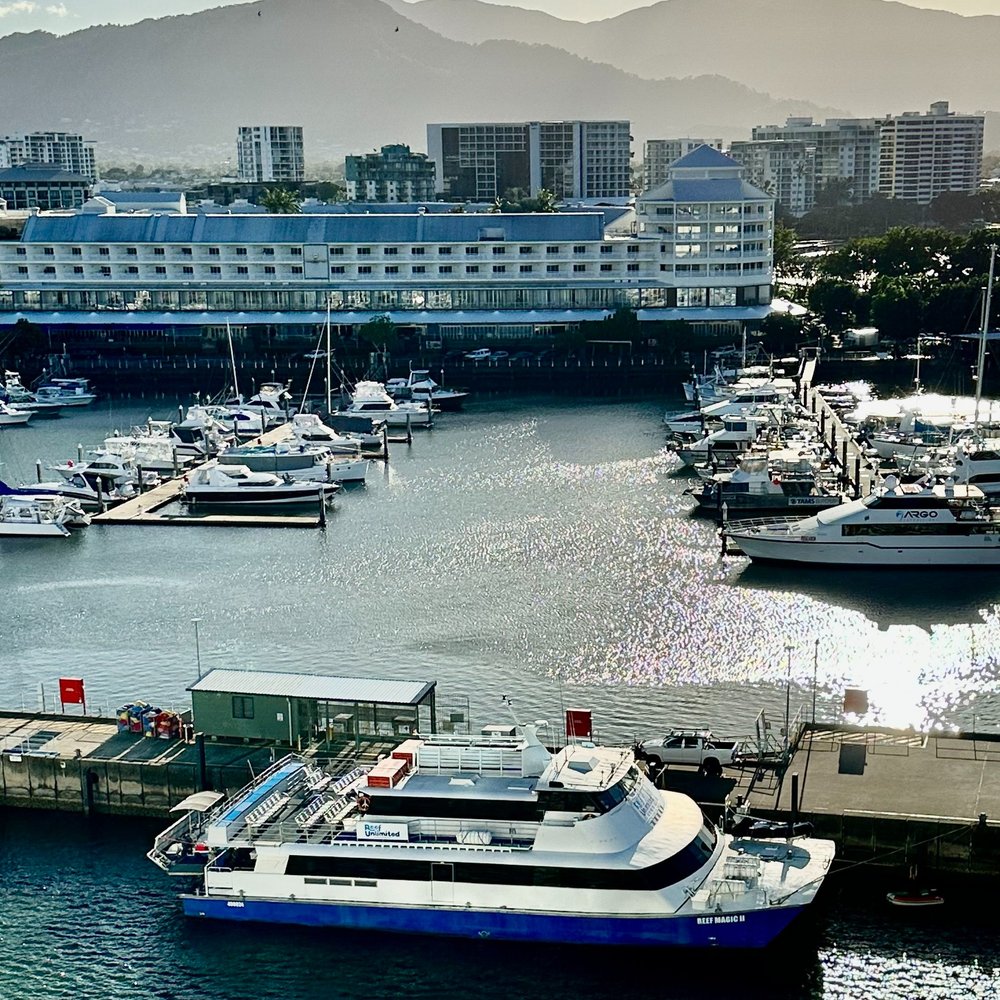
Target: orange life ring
364	802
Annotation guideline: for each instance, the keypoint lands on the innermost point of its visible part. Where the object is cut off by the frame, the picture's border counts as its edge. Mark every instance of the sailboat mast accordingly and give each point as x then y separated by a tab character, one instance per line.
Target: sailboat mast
232	359
329	408
981	362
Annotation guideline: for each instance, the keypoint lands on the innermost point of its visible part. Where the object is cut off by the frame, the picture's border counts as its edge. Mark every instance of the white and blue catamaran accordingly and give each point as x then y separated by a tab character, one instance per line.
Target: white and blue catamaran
488	837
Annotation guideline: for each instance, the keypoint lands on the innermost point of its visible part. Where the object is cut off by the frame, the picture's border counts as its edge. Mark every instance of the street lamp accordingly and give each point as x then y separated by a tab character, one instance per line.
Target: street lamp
197	647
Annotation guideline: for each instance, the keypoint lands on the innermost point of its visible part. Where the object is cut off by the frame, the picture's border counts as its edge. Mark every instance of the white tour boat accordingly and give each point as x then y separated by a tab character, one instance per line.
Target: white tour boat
901	524
488	837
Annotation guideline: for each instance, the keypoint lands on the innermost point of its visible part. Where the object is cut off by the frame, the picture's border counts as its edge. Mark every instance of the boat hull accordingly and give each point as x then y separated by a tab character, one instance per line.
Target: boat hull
241	497
867	554
751	929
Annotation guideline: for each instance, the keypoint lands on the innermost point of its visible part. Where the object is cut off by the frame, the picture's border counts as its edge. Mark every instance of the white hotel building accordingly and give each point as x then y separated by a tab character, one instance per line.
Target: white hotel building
699	248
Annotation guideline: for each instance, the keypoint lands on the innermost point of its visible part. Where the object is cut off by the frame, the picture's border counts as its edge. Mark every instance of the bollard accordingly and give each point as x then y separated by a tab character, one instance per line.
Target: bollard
409	430
795	802
138	472
100	494
177	469
322	507
385	443
38	470
79	454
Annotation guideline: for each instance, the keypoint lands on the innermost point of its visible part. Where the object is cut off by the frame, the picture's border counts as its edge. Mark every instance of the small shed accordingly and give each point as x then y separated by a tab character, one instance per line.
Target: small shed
292	708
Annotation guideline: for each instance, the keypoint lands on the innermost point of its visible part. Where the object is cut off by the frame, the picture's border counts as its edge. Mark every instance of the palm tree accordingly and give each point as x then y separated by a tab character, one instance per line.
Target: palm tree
280	201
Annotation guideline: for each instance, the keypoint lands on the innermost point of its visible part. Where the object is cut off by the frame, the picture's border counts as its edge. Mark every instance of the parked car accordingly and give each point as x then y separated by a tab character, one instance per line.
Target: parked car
499	355
523	356
479	354
696	747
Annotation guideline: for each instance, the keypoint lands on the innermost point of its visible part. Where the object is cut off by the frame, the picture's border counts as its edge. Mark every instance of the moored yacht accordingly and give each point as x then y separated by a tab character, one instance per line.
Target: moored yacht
11	417
18	397
298	461
238	485
371	400
68	391
39	516
420	387
901	524
489	837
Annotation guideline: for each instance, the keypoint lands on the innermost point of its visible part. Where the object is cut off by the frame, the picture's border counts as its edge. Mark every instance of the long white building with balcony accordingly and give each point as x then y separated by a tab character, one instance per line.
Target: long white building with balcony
699	249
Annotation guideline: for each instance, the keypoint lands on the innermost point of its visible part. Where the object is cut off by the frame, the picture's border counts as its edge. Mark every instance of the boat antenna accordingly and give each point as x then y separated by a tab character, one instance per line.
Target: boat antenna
509	705
980	363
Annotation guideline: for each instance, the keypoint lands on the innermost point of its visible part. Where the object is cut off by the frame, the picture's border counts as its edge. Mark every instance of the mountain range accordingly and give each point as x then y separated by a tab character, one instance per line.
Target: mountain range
357	74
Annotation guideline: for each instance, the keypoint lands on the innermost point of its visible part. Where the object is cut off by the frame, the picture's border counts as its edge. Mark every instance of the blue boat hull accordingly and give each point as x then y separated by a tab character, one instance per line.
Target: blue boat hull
753	929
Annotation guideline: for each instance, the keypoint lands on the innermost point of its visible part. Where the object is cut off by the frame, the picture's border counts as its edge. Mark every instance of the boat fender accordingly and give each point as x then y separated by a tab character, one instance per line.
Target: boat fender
364	802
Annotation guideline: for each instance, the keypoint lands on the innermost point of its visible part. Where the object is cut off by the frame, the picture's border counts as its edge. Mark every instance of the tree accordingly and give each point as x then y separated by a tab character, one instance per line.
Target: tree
780	334
280	201
786	260
381	333
834	301
897	308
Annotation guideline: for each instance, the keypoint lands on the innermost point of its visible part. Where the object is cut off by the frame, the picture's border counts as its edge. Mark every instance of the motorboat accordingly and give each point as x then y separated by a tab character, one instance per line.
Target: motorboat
112	468
17	396
307	428
899	524
9	417
39	516
737	433
88	489
371	400
915	897
419	386
977	462
150	451
488	837
197	437
68	391
298	461
272	402
765	485
238	485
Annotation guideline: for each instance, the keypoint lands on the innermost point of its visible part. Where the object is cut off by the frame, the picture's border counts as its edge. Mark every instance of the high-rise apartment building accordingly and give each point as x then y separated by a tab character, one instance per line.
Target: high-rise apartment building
658	154
393	175
924	155
783	168
65	150
574	160
270	153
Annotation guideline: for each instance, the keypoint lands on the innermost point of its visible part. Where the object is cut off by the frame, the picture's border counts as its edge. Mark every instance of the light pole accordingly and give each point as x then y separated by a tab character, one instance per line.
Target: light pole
197	647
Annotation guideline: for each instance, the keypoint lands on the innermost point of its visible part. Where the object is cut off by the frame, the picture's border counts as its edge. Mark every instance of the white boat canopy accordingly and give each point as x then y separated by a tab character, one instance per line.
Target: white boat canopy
198	802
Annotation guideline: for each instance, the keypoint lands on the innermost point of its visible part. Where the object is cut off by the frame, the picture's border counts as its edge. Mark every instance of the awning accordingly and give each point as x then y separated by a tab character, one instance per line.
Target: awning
199	802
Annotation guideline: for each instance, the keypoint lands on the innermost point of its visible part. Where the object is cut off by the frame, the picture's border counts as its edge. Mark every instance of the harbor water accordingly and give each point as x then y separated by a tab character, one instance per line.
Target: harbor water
536	549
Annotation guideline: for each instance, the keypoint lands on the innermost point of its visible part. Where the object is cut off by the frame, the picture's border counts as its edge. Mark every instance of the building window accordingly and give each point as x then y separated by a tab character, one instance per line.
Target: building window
633	248
691	298
499	268
187	269
552	268
269	269
444	251
582	267
76	251
131	252
131	270
187	251
390	251
579	248
160	269
444	269
21	251
104	251
213	251
632	267
243	270
526	269
158	251
552	249
295	251
266	251
337	251
364	251
525	250
607	267
105	272
215	270
471	251
392	269
472	269
607	249
497	251
419	269
417	251
78	269
49	270
337	270
49	251
296	269
22	269
364	269
241	251
242	707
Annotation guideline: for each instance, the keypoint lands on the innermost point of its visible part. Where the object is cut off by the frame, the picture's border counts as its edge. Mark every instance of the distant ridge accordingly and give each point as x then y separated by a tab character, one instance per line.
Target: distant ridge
176	88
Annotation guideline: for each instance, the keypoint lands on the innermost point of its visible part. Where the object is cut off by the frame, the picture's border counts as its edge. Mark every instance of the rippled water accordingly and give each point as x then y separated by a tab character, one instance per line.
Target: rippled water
537	549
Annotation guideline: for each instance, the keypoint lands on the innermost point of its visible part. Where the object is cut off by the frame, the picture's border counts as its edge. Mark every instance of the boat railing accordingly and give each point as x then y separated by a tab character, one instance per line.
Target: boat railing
774	525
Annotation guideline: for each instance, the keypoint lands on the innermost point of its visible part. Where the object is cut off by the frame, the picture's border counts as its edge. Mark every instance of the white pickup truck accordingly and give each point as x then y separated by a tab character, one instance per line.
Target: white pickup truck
695	747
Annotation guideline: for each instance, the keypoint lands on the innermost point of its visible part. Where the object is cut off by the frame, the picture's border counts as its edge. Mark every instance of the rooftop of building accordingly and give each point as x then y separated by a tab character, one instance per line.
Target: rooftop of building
39	172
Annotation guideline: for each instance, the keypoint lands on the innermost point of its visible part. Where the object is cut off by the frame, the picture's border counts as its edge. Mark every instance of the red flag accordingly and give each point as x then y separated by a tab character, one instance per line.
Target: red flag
71	691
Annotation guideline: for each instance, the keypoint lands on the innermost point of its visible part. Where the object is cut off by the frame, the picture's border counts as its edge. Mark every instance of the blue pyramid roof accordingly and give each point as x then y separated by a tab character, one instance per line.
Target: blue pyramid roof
704	157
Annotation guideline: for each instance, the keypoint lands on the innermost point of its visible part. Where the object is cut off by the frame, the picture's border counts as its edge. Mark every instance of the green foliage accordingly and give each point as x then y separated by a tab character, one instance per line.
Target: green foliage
381	333
780	334
897	307
786	260
835	301
280	201
518	200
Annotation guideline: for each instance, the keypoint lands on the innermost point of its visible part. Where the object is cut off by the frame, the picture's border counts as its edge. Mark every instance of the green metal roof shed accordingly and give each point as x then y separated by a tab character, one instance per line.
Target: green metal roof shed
294	708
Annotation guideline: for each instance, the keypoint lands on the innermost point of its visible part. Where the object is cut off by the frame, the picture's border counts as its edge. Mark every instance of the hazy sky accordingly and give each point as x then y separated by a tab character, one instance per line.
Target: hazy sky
61	16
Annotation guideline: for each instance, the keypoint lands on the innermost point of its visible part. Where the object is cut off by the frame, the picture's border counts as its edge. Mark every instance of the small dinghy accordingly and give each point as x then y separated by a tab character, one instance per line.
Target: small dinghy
915	897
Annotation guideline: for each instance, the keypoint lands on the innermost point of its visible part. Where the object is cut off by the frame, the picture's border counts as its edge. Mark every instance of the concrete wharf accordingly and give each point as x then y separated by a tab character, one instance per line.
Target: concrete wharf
885	797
